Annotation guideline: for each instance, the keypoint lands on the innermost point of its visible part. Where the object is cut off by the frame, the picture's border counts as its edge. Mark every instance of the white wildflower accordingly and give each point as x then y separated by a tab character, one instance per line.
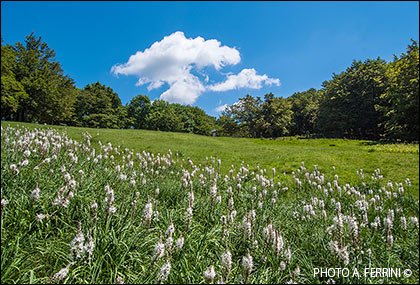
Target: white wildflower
390	239
35	193
247	263
353	226
279	243
90	246
414	221
232	216
24	163
209	274
40	217
94	205
246	226
227	261
112	210
60	275
170	230
164	271
344	255
388	224
159	249
179	243
119	280
109	199
14	169
77	244
67	177
27	153
288	254
169	242
282	265
132	182
404	223
188	215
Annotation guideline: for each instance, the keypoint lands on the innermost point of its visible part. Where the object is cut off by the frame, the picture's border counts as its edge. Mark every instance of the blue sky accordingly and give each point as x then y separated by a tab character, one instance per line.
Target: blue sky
257	47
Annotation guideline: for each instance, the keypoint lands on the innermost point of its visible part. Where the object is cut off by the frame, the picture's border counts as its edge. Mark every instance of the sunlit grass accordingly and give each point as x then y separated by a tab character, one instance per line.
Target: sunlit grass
35	251
397	148
286	154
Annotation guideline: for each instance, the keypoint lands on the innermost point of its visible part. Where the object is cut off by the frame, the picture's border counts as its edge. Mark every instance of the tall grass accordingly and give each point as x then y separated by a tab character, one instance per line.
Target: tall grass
287	223
283	154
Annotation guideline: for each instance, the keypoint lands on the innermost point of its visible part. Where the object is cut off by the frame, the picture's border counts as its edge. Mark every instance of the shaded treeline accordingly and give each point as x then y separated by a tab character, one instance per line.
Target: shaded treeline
34	89
372	99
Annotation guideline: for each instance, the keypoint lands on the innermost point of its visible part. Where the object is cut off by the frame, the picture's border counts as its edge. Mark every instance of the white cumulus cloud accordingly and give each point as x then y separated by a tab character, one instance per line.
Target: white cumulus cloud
172	59
221	108
247	78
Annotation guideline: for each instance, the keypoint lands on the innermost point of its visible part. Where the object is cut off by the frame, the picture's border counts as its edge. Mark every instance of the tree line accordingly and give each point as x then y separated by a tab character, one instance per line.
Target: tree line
34	89
373	99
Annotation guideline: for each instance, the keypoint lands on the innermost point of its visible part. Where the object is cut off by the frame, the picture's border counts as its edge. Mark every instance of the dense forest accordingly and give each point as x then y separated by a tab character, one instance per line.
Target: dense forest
371	99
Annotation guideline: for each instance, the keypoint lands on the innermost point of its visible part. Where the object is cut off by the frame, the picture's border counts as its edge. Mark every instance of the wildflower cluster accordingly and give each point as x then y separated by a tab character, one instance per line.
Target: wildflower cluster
146	218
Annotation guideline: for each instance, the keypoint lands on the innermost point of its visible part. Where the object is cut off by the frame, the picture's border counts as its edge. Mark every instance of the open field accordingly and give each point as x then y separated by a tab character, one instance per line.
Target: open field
396	161
96	207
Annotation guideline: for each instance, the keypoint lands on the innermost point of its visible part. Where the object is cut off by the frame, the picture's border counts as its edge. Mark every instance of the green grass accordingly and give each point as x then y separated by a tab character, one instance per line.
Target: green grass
33	251
396	161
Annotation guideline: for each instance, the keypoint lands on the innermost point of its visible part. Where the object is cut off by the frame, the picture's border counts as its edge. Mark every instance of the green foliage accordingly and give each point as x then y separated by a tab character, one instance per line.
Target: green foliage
256	118
125	120
12	90
195	120
347	108
137	109
401	100
227	124
247	113
162	117
277	116
98	106
50	94
305	107
369	100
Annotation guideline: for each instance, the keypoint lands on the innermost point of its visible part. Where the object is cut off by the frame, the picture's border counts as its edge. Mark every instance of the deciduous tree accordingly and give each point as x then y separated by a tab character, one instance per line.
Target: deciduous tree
400	104
347	108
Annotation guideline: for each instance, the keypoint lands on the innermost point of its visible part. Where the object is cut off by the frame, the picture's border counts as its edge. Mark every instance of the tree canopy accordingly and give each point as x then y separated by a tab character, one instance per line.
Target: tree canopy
400	101
34	86
347	107
12	90
99	106
137	109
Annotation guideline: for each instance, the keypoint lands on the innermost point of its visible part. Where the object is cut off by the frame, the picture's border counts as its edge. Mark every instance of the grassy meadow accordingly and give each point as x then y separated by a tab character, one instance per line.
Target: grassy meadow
396	161
108	206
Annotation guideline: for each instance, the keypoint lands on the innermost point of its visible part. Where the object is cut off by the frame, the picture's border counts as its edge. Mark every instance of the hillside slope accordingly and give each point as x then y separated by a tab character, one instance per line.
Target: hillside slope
396	162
